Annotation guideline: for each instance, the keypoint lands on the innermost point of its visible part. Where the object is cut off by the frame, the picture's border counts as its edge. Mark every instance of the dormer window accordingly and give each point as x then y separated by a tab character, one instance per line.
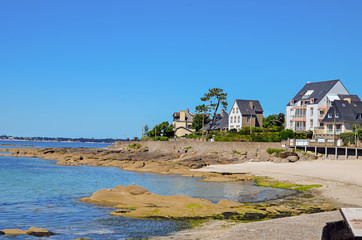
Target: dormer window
329	115
337	115
307	94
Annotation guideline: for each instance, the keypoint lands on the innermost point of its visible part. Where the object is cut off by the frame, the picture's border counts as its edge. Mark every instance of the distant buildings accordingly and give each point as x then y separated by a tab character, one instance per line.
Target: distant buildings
342	116
245	113
308	108
182	122
221	122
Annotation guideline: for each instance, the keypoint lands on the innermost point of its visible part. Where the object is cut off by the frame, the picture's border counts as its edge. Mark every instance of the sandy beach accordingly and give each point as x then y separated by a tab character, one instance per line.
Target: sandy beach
342	185
341	179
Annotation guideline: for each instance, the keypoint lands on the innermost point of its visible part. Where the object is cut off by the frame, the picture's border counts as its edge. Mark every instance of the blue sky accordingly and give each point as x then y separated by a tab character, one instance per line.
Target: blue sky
105	68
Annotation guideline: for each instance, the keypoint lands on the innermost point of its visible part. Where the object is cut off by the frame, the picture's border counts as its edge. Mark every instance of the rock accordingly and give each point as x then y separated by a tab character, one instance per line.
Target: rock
39	232
286	154
122	210
2	233
281	160
14	231
293	158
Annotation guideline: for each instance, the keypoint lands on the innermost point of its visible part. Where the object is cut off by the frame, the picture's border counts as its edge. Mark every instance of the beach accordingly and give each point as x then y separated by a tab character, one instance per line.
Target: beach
341	180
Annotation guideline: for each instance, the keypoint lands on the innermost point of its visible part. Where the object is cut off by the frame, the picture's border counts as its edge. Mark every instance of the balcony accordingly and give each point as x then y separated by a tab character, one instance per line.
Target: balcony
319	130
300	129
299	116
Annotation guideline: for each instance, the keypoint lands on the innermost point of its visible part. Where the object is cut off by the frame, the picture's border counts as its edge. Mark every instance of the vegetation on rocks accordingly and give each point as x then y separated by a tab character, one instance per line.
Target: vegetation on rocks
268	182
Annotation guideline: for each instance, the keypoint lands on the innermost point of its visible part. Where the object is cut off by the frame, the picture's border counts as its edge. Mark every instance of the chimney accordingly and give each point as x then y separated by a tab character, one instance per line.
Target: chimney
182	116
222	112
251	104
348	100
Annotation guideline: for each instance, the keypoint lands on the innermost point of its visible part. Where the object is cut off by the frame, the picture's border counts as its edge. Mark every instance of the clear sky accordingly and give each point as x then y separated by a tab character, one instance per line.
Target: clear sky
100	69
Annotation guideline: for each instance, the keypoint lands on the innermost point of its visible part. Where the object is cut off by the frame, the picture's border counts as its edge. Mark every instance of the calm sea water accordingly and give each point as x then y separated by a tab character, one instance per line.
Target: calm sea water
36	192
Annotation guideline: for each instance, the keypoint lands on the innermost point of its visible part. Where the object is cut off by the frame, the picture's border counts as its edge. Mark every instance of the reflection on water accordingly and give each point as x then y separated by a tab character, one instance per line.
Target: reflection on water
36	192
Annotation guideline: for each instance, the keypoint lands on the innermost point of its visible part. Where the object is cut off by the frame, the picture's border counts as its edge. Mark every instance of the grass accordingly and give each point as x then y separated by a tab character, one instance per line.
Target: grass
135	145
267	182
192	205
214	152
187	148
274	150
234	151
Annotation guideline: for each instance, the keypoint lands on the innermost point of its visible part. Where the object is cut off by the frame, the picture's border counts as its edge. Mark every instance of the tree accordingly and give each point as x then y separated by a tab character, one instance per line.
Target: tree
163	128
145	130
215	97
274	120
199	121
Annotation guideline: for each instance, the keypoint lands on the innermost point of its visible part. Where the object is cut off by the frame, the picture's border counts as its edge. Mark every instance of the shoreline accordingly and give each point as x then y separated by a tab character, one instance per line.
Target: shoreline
167	164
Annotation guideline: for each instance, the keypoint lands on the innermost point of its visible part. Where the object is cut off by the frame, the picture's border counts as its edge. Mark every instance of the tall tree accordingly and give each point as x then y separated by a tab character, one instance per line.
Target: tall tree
201	110
145	130
199	121
216	98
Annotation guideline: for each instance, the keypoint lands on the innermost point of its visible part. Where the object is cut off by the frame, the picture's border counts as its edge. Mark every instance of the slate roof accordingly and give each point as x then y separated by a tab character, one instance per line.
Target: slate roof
245	109
320	89
354	98
347	112
221	122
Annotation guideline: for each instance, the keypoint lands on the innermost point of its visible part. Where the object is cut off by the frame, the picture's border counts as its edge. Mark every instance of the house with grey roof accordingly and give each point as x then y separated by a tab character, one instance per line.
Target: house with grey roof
221	122
343	115
245	113
182	122
308	108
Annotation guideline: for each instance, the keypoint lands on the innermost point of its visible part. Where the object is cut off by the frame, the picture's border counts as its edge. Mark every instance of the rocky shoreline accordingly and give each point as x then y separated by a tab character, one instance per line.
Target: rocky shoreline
184	161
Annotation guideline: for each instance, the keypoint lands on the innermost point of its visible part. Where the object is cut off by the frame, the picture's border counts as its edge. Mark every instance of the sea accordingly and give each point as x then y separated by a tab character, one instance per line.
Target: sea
39	193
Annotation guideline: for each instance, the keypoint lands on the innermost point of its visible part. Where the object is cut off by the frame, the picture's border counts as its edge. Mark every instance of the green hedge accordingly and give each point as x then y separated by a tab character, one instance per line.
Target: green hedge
347	138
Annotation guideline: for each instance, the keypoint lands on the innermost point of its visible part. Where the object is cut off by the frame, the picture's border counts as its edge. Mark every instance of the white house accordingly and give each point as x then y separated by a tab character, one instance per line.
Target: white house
245	113
308	108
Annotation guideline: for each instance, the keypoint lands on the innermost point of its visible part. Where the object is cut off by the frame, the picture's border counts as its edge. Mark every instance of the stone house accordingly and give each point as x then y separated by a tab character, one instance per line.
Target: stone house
245	113
221	122
182	122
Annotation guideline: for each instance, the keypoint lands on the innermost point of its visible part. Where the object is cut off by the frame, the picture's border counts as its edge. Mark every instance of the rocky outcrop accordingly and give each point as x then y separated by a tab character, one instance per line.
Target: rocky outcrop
39	232
135	201
14	231
33	231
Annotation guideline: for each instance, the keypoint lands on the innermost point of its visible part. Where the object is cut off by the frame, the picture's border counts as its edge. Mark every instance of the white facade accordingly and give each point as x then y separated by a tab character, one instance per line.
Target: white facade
235	117
305	114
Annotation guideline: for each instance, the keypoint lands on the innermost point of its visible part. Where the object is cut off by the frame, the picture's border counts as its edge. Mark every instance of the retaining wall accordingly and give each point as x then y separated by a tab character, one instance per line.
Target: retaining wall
204	147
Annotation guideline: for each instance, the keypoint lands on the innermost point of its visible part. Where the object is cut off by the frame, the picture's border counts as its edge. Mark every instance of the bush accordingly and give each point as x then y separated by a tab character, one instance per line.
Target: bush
245	131
347	138
135	146
256	130
274	150
309	134
287	133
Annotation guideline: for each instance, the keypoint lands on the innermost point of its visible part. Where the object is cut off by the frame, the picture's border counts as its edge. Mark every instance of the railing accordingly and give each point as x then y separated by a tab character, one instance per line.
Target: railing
338	131
299	116
322	115
300	129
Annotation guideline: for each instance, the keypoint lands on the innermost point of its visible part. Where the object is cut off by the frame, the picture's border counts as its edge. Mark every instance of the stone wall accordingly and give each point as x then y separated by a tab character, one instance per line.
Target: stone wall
255	148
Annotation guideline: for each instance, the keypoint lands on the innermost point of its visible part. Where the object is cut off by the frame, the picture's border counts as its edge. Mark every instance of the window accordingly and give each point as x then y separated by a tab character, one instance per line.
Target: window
231	120
311	111
237	110
311	123
307	94
238	119
329	115
337	115
248	119
233	110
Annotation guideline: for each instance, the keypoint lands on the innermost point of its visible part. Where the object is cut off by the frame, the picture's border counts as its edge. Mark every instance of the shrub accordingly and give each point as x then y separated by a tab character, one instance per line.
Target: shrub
245	131
347	138
135	145
234	151
287	133
256	129
274	150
